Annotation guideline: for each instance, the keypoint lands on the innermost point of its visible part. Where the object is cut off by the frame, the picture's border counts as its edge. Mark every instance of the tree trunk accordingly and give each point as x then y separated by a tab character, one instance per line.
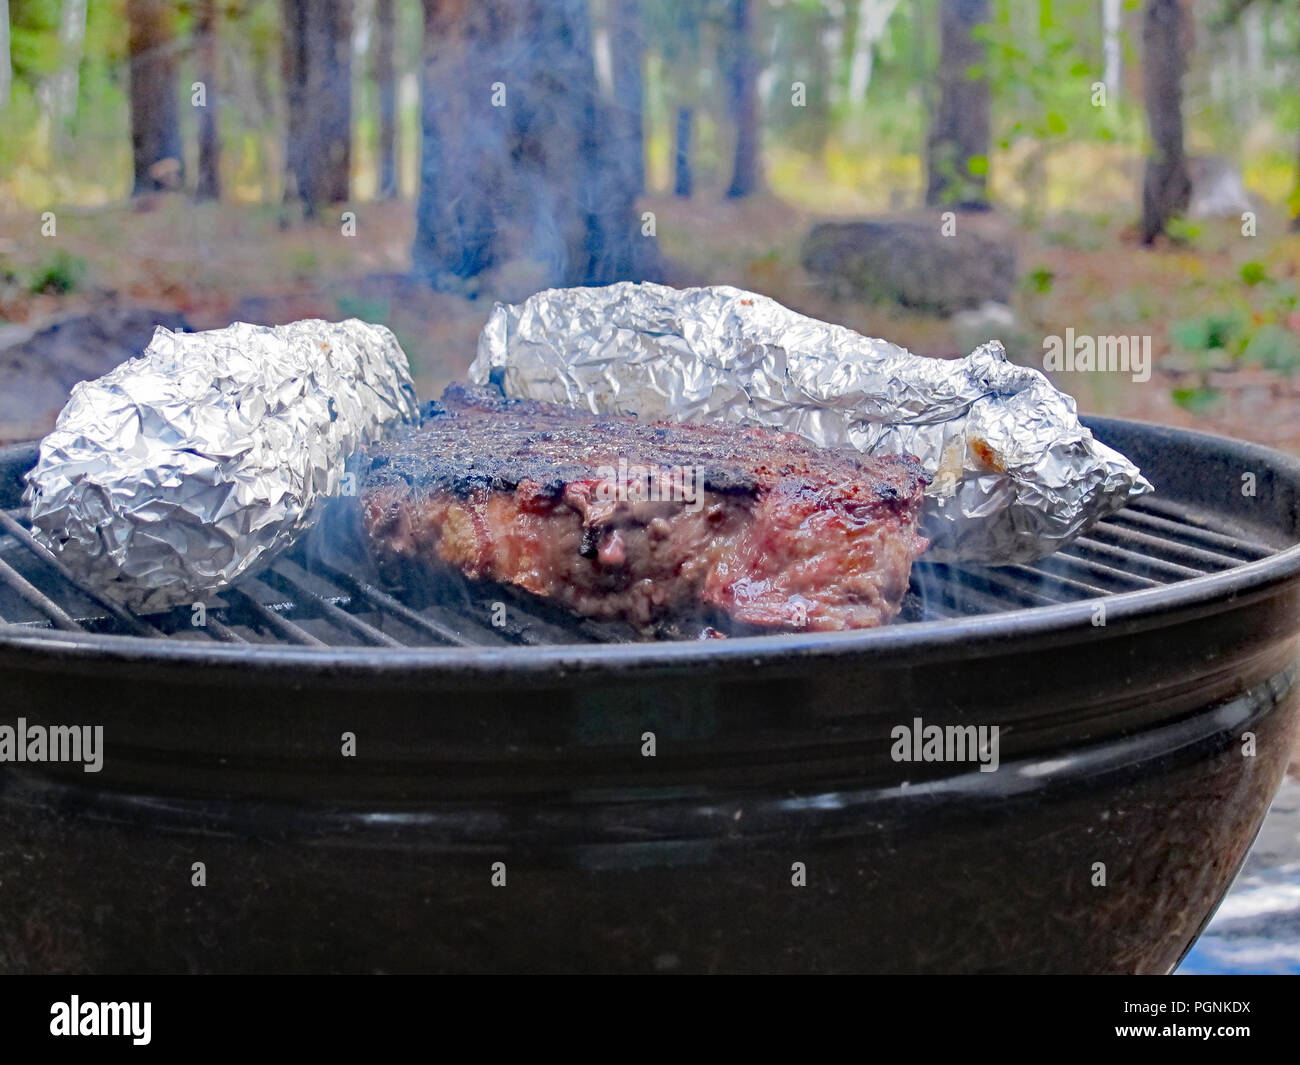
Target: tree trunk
317	68
463	143
155	132
627	50
678	32
683	181
516	159
747	175
293	73
1166	186
959	131
1295	196
611	247
6	68
386	81
873	18
206	35
66	82
1111	49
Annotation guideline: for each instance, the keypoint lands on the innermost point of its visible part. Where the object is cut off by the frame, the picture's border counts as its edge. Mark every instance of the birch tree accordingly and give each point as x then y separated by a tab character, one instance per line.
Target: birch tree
1166	185
6	67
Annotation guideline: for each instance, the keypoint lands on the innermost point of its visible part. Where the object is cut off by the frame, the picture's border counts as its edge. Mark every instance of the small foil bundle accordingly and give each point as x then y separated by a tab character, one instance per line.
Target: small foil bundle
1014	473
180	470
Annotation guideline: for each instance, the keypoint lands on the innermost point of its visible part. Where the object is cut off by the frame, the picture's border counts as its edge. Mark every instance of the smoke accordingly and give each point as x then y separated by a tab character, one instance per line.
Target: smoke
519	162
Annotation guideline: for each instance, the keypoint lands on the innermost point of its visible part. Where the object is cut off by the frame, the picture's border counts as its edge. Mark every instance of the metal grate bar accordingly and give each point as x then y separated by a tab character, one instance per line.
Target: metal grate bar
281	626
1176	532
306	600
129	620
1146	543
1042	579
958	587
223	632
1130	561
530	622
32	596
1193	522
1030	589
1105	578
382	601
350	622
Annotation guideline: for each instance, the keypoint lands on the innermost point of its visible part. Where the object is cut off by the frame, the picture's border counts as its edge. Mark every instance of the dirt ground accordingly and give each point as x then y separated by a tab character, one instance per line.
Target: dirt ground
215	263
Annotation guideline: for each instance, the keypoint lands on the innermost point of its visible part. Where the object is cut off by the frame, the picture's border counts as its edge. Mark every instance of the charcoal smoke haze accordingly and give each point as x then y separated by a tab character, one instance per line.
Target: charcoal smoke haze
483	611
520	160
943	589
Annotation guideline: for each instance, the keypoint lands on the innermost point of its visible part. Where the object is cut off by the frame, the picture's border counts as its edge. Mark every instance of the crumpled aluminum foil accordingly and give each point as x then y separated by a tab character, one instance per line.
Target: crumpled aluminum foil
1015	475
180	470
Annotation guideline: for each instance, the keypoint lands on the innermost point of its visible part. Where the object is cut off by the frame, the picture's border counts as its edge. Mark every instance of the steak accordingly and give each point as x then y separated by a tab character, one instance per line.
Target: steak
615	518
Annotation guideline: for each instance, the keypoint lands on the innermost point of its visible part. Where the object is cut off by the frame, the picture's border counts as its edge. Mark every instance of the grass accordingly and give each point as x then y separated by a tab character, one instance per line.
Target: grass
60	275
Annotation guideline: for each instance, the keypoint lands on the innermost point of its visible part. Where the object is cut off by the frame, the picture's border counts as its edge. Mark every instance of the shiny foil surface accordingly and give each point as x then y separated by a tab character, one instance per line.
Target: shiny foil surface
178	471
1015	474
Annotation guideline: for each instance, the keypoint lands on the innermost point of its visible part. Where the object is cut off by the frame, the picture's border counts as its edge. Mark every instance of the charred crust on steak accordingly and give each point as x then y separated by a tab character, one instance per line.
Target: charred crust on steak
775	532
533	442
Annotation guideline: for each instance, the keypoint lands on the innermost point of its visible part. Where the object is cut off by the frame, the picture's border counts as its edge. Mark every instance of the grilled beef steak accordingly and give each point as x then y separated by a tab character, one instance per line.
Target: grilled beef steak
643	521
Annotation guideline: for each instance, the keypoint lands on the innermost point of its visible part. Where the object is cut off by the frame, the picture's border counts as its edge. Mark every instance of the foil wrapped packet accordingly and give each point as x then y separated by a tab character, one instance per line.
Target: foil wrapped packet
180	470
1014	473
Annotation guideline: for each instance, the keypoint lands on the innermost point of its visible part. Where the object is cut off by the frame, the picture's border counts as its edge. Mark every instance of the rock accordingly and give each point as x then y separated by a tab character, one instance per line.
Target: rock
283	308
1218	190
990	321
40	364
910	262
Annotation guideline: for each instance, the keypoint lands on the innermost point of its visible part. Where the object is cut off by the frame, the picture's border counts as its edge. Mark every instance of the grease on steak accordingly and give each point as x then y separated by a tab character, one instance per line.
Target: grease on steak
780	534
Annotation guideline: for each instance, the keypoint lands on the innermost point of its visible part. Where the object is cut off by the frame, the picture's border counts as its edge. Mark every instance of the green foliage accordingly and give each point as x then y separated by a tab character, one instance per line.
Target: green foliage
1184	230
33	38
1040	280
368	310
1274	347
1256	332
1217	331
1197	400
61	274
304	263
1041	72
1253	273
91	154
1269	32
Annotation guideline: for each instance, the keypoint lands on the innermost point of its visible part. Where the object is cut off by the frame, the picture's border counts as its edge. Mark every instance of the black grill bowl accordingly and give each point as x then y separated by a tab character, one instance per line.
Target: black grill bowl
1124	804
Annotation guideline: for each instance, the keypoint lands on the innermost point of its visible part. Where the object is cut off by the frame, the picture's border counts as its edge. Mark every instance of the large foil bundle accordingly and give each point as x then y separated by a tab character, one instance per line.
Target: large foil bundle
180	470
1015	475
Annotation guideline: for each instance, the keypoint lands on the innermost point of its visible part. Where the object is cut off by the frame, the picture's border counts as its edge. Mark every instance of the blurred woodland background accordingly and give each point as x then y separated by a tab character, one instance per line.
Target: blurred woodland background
1115	167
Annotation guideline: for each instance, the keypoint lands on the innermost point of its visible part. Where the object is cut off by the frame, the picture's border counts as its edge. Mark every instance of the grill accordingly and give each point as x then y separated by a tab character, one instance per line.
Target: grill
309	600
1122	741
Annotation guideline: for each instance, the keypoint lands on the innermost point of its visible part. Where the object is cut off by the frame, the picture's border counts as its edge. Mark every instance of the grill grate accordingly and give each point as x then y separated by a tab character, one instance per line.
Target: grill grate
303	599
